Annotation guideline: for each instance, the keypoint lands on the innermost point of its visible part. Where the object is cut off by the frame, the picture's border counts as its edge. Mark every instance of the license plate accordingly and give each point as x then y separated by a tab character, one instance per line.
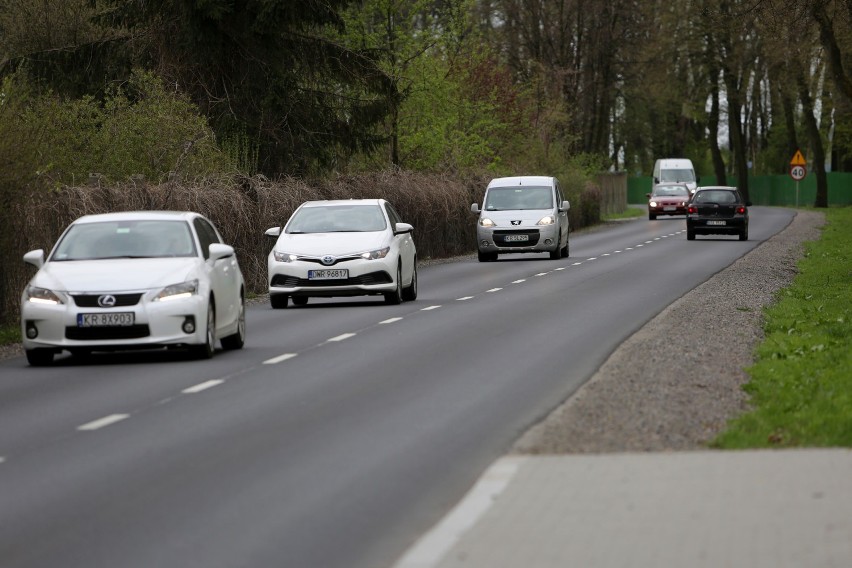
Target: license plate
669	208
111	319
716	222
330	274
516	238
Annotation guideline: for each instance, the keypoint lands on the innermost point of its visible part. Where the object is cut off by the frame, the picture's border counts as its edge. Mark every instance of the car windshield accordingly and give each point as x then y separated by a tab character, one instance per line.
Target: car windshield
125	239
673	190
337	219
715	197
677	176
513	198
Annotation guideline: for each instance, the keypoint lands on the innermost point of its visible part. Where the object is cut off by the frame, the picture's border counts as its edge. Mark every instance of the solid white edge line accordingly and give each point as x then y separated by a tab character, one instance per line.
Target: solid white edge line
103	422
280	358
427	308
341	337
493	290
203	386
391	320
434	545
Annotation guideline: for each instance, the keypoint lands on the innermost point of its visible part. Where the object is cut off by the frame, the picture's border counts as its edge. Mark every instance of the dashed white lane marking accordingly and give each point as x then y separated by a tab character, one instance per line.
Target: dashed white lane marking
435	544
103	422
593	258
2	459
428	308
605	254
341	337
203	386
577	264
391	320
494	290
646	242
637	246
618	251
280	358
464	298
560	268
519	281
542	274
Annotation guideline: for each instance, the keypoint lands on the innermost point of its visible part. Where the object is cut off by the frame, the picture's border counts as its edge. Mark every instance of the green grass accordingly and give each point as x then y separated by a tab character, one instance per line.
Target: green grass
10	334
801	382
628	213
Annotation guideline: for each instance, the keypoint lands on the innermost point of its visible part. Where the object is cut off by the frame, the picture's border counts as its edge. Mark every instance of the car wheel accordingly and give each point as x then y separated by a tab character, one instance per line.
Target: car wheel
651	217
409	294
278	301
564	250
484	256
690	234
39	357
395	297
556	253
237	340
300	300
206	349
744	234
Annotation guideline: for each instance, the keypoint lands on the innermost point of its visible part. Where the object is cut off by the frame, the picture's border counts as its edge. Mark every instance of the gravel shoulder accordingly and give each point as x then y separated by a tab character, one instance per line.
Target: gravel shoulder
643	401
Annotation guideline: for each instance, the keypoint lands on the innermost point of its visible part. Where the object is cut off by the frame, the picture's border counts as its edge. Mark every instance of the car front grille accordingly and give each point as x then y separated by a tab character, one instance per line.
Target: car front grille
372	278
91	300
104	333
500	238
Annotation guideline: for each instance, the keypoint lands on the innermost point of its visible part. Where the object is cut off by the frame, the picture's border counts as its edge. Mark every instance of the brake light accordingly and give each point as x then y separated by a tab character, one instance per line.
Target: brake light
692	209
741	210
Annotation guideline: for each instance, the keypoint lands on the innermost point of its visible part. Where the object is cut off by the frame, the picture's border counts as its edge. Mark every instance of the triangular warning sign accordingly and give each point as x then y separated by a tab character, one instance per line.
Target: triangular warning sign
798	159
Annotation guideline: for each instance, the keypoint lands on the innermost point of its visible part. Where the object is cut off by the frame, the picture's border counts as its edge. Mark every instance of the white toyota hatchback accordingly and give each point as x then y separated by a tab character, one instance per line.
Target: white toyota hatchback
135	279
352	247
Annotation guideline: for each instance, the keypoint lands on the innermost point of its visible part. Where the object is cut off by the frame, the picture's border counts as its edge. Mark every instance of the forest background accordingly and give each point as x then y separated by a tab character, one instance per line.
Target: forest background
242	109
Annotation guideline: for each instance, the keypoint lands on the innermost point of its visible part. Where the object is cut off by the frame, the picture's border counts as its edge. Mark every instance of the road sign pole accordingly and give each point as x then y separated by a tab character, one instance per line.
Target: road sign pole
797	194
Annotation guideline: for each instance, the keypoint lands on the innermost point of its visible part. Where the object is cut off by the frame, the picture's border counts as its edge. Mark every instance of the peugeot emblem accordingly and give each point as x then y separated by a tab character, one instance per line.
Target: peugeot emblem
516	222
328	260
106	301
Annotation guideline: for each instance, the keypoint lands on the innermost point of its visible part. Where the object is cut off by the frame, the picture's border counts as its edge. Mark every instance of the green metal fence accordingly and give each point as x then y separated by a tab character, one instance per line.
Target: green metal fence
769	190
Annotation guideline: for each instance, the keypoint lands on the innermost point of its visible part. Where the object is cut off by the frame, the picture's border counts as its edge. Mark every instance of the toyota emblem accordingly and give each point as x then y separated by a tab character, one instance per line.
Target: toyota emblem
328	260
106	301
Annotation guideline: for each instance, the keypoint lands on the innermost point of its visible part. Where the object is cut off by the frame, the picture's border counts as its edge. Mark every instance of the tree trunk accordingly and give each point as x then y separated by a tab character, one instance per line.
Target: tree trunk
815	139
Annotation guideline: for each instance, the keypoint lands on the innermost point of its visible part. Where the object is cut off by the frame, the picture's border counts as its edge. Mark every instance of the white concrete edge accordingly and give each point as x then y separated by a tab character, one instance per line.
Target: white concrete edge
435	544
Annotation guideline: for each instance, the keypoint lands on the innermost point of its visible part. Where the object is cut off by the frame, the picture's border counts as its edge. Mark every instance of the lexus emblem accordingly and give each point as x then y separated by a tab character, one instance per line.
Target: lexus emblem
106	301
328	260
516	222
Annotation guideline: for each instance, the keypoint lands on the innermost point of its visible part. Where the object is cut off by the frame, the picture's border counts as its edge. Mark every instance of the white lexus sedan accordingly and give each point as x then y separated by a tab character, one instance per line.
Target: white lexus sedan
352	247
130	280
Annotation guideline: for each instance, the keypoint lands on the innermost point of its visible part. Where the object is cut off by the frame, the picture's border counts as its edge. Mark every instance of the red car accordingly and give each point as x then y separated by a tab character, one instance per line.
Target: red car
667	199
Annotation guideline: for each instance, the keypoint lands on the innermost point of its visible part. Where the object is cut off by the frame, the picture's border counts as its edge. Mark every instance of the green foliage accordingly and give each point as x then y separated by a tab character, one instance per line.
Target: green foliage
139	128
801	386
10	334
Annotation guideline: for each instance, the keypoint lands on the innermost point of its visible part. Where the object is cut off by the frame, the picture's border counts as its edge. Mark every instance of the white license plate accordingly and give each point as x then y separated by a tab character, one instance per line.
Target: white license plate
111	319
329	274
516	238
669	208
716	223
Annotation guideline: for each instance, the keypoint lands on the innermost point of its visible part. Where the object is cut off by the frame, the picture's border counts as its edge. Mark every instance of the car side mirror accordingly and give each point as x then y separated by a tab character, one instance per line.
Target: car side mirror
474	208
648	195
400	228
565	206
35	257
273	233
219	251
656	180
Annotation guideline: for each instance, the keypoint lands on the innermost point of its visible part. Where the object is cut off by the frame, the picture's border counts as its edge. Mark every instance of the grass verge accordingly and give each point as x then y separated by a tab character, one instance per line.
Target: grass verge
10	334
628	213
801	382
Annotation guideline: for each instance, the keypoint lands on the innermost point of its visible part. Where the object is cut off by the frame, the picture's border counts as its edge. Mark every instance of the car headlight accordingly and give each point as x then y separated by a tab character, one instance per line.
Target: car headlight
43	296
177	291
284	256
652	203
549	220
375	254
486	222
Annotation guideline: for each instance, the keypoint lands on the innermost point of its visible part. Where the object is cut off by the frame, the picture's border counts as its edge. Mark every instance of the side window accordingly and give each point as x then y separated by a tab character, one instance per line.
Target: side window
206	235
392	215
559	197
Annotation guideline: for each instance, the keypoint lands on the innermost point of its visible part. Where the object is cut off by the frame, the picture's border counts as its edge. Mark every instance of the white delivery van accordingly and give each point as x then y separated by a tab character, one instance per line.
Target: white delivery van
522	214
675	170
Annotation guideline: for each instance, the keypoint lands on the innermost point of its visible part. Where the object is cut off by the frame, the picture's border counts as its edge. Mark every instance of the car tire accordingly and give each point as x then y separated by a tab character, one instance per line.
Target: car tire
485	256
409	294
744	234
206	349
395	297
556	253
238	339
564	251
651	217
39	357
278	301
690	234
300	300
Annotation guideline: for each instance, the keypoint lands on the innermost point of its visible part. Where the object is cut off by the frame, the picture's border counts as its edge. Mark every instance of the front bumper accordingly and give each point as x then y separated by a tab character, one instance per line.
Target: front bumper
506	240
366	277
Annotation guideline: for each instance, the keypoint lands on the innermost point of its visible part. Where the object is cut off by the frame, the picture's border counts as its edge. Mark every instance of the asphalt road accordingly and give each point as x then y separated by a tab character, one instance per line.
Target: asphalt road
344	429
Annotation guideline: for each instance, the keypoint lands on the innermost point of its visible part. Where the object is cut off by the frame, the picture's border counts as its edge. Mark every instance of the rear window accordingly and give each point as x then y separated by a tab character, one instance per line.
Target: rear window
716	196
514	198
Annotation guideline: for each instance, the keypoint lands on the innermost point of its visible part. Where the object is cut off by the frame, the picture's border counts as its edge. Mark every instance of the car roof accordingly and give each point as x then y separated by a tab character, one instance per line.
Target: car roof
521	181
139	215
326	202
716	187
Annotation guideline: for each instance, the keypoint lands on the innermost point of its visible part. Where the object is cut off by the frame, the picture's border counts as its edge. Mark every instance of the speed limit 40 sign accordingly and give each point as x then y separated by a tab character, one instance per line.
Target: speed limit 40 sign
798	172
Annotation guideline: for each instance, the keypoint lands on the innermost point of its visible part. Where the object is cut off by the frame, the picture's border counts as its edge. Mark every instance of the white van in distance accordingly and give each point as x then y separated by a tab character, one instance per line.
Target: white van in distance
676	170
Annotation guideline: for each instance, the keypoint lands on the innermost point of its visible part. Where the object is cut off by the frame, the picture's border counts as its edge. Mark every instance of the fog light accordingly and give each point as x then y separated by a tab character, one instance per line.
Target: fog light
548	241
32	332
188	325
485	243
